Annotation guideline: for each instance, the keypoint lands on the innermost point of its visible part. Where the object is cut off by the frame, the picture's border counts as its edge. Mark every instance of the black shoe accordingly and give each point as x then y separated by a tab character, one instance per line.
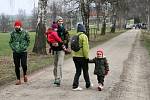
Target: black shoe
89	85
57	82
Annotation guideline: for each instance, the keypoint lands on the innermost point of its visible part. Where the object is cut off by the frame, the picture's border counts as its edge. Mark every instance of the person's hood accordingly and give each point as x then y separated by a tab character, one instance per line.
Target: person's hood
81	28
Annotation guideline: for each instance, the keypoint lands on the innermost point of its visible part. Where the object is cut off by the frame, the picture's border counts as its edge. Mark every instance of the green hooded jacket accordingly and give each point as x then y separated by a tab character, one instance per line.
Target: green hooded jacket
84	51
19	41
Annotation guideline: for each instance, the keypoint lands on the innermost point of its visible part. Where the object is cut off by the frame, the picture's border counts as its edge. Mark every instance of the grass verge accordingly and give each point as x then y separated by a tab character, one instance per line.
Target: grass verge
145	37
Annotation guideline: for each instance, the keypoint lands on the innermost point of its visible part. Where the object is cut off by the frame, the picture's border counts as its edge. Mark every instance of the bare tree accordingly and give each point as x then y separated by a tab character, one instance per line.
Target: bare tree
105	10
114	14
4	23
122	12
40	39
71	13
34	19
148	14
55	8
98	11
85	12
84	8
21	15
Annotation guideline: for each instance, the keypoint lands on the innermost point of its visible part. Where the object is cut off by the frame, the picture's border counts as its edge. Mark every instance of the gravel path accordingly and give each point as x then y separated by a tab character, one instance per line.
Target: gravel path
128	78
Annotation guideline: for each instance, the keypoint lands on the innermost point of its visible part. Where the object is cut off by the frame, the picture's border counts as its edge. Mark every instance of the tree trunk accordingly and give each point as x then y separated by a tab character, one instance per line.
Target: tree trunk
103	30
98	14
113	28
40	39
148	15
85	14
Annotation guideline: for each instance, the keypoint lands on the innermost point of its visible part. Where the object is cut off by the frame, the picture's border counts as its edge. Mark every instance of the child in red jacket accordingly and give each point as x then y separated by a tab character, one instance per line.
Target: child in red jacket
53	37
101	67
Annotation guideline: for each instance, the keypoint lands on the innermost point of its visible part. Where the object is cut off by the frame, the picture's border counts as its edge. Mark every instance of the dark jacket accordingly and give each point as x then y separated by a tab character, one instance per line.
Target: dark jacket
19	41
101	65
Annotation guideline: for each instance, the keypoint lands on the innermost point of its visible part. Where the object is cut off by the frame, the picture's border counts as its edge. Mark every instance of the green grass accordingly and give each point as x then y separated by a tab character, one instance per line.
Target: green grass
35	62
4	44
5	50
146	40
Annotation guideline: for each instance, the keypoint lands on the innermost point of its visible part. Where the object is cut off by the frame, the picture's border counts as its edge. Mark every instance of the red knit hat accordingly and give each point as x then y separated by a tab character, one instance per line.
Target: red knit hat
18	23
101	51
54	26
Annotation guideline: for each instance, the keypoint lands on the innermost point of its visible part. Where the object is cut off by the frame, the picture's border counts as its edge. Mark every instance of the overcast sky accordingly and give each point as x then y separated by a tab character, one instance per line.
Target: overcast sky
11	7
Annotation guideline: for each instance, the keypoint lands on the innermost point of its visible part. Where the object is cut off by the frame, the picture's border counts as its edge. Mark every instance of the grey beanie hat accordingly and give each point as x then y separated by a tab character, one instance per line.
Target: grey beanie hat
58	18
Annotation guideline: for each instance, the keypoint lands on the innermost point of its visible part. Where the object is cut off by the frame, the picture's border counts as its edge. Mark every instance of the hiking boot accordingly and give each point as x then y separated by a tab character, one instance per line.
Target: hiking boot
25	78
18	82
77	89
100	87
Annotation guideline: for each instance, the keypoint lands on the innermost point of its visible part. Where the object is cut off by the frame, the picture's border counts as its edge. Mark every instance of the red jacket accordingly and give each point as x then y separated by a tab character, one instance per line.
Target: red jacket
53	37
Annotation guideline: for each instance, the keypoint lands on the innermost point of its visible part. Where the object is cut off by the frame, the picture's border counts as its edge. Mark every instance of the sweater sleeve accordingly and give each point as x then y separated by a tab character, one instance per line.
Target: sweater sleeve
11	42
106	64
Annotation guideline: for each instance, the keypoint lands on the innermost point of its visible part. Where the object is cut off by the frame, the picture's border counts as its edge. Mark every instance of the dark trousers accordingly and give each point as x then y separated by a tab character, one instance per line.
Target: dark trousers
81	64
100	79
20	58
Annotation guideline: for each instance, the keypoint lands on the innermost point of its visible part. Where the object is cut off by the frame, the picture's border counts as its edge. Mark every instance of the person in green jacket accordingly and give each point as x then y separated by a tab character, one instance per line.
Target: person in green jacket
19	41
80	59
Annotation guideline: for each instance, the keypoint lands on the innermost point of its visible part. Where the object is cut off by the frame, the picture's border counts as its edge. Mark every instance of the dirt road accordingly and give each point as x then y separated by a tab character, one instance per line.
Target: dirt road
128	78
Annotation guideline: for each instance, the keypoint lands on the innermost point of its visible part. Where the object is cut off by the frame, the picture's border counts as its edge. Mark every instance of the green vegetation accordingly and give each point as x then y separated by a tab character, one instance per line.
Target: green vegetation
4	45
35	62
145	37
5	50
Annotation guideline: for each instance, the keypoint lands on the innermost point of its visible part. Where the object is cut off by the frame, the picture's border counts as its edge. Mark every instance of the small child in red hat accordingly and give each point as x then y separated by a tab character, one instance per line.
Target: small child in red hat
53	38
101	67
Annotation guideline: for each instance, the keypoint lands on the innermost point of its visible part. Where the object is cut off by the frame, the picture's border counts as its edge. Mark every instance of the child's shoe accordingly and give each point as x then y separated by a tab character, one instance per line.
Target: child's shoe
100	87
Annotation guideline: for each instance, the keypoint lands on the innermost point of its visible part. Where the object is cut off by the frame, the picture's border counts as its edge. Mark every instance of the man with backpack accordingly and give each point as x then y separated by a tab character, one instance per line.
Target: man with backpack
80	58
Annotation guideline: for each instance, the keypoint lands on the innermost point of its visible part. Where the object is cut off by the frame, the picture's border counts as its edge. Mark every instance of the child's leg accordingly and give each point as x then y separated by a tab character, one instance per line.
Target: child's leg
100	79
100	82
